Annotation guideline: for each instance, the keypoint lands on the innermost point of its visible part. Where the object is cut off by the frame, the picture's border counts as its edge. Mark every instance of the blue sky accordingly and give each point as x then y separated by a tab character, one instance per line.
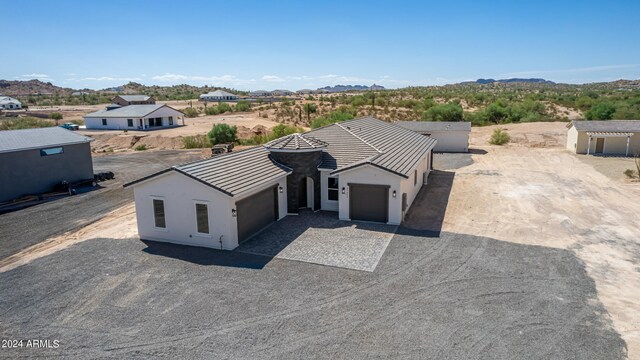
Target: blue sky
253	45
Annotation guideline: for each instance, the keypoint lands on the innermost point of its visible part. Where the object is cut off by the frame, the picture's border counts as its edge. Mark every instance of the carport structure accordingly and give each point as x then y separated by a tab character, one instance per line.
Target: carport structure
601	138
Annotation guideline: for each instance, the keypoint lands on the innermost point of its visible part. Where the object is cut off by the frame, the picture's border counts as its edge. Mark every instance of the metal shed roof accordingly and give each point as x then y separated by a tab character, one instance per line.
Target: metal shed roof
27	139
130	111
607	125
428	126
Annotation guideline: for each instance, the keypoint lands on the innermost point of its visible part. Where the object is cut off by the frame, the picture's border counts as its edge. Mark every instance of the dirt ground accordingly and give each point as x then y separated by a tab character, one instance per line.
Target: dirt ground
531	192
535	192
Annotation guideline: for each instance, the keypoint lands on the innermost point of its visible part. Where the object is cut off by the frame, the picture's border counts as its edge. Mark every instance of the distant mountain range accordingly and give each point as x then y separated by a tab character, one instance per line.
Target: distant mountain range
343	88
512	80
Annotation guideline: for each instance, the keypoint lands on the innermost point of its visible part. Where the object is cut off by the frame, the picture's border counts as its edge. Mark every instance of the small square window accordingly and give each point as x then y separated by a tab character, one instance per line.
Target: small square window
104	122
130	122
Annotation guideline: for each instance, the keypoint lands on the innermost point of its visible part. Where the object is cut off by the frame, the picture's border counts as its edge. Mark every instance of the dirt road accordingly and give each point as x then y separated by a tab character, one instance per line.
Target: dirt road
526	194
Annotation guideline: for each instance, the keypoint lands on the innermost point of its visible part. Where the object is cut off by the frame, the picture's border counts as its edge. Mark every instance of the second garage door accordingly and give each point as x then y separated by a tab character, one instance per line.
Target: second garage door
256	213
369	202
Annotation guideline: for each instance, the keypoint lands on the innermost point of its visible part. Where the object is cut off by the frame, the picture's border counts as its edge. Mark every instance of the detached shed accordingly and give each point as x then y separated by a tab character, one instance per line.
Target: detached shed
33	161
612	137
452	136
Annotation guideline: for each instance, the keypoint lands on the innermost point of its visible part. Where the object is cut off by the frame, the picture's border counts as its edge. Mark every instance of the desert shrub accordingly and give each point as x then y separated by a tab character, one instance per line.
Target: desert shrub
630	173
222	134
601	111
196	142
243	105
77	122
190	112
342	114
55	116
444	112
24	123
281	130
499	137
141	147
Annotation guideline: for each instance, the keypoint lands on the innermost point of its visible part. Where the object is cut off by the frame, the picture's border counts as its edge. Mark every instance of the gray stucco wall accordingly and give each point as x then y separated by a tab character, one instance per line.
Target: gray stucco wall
27	172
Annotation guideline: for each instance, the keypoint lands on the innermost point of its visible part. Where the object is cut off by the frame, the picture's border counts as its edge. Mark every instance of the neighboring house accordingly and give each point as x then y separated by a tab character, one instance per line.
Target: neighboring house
33	161
281	93
134	117
613	137
452	136
218	95
305	92
124	100
363	169
9	103
260	93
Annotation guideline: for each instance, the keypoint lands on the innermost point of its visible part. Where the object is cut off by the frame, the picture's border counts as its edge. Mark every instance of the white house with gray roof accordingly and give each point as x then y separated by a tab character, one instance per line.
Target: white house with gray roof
218	95
607	137
9	103
134	117
362	169
452	136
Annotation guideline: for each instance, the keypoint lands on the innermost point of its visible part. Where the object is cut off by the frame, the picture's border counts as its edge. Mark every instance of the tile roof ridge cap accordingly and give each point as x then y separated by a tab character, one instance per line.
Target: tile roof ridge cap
358	137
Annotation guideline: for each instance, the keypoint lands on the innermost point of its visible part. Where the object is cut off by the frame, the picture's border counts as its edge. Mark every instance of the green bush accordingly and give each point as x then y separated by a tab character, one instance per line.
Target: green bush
24	123
141	147
342	114
196	142
222	134
499	137
190	112
601	111
243	105
444	112
55	116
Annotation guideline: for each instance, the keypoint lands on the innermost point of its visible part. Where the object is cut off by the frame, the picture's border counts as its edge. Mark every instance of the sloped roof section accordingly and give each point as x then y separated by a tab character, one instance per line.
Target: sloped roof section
26	139
428	126
344	147
232	173
134	97
296	142
130	111
218	93
607	125
400	149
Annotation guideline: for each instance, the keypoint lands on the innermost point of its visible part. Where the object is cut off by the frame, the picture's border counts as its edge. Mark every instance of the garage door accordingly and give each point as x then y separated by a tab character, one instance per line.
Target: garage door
369	202
256	213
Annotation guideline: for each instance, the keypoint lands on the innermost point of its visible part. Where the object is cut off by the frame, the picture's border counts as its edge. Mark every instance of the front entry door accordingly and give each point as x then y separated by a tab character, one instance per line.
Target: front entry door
599	145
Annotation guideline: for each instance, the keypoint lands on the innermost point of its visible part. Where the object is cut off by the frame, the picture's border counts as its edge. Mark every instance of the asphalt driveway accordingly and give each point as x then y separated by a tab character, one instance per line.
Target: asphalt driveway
431	296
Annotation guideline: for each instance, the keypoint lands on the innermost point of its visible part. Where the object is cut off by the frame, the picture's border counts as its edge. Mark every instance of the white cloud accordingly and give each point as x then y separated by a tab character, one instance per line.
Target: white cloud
216	80
272	78
44	77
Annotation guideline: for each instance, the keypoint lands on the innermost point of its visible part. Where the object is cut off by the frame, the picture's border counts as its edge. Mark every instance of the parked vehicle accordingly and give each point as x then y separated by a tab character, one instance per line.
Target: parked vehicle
70	126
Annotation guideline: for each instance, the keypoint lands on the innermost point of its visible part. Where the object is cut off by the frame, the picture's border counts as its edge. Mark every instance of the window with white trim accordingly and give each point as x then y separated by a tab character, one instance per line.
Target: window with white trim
332	188
202	218
158	214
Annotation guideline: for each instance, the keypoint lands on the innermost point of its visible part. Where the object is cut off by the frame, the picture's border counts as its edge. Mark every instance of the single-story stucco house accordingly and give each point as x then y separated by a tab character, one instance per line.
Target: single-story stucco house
134	117
363	169
218	95
9	103
452	136
125	100
34	161
612	137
